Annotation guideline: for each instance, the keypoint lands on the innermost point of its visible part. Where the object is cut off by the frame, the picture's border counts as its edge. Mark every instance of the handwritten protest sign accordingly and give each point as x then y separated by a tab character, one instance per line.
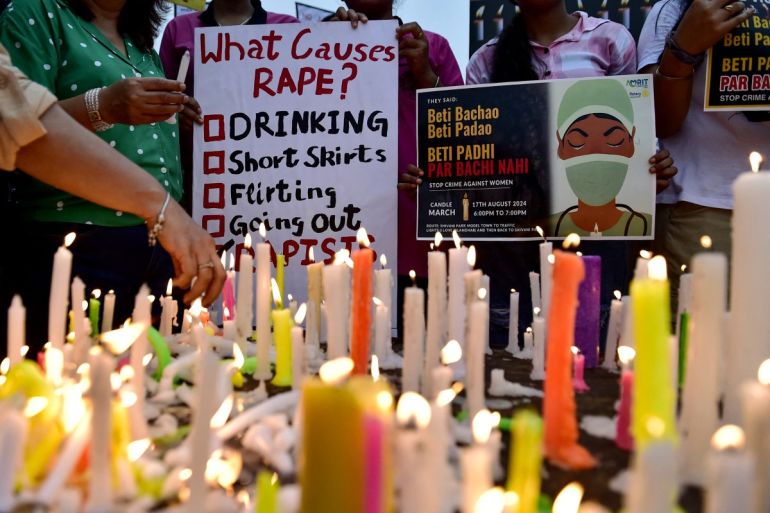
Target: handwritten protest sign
299	133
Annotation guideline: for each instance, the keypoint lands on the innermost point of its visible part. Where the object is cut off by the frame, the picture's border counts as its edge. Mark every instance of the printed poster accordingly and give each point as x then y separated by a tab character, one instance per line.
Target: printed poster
569	156
300	133
738	67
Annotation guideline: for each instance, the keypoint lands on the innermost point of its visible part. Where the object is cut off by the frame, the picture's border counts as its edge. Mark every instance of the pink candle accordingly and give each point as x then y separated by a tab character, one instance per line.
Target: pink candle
578	371
623	437
373	475
228	291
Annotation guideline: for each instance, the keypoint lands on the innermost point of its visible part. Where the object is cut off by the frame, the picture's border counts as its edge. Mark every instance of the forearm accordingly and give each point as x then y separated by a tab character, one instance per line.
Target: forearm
673	81
76	161
76	108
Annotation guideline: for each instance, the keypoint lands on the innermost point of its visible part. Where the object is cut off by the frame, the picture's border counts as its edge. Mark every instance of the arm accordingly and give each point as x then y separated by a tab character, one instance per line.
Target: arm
76	161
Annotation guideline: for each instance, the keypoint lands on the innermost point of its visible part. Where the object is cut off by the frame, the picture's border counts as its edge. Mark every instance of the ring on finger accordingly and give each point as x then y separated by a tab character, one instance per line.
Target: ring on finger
731	7
207	265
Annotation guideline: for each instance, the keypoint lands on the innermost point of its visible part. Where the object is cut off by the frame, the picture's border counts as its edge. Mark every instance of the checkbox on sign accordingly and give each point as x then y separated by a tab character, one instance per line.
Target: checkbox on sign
214	224
214	195
213	162
213	128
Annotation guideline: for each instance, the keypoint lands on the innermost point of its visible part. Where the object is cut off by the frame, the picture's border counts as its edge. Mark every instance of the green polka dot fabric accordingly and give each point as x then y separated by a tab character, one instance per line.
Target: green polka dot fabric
69	56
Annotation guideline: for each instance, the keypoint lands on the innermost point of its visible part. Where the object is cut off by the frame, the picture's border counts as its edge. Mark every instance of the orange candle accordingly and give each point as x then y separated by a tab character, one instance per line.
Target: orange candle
362	304
559	411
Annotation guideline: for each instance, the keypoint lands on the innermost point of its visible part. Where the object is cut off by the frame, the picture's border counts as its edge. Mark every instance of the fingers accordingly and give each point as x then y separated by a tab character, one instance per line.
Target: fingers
744	15
340	15
161	84
409	28
184	269
153	110
206	262
191	114
354	18
216	283
162	98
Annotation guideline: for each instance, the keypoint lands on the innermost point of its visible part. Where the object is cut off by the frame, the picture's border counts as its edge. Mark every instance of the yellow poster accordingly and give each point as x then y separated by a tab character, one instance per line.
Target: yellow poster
198	5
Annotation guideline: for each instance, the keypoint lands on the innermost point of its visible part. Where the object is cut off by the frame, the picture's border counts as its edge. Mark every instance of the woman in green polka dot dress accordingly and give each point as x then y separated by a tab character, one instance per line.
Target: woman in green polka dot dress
96	56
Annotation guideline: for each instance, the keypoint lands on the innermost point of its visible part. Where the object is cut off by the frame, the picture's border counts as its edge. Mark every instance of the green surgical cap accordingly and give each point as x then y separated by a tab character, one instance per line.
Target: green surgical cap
598	96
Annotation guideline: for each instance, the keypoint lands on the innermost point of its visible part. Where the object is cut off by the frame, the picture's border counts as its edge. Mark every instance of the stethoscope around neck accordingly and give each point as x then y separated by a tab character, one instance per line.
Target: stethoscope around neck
633	215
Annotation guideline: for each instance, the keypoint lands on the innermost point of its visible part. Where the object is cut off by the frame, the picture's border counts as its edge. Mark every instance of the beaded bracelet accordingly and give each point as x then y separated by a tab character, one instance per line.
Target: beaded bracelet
154	232
92	106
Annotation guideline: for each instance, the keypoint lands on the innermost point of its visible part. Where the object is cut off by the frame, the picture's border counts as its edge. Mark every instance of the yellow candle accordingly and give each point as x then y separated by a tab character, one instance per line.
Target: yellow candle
280	264
315	296
525	460
267	492
653	389
282	324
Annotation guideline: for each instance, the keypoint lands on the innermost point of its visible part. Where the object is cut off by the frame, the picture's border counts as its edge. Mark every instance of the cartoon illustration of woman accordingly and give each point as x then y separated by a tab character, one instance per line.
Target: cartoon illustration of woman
595	137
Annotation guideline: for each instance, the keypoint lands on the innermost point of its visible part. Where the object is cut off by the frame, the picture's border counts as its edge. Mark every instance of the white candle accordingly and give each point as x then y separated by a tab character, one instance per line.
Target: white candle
538	351
65	462
229	330
206	380
336	280
100	483
293	305
437	457
81	329
653	481
750	293
13	435
513	323
264	299
730	473
613	333
458	266
17	316
109	311
437	309
314	301
478	339
168	312
700	398
627	323
57	303
534	287
476	465
413	475
414	338
245	302
141	314
298	362
529	345
546	275
755	396
381	331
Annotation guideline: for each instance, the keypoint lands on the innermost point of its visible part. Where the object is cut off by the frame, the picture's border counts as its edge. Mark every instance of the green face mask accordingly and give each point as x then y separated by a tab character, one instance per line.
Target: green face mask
596	179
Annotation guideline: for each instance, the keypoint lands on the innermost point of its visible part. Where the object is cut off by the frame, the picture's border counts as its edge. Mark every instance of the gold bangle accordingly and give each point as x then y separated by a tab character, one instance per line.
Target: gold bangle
668	77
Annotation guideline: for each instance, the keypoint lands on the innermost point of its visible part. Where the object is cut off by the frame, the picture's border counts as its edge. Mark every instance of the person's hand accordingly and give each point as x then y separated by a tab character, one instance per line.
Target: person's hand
194	255
706	21
350	15
413	46
190	115
410	180
139	101
663	169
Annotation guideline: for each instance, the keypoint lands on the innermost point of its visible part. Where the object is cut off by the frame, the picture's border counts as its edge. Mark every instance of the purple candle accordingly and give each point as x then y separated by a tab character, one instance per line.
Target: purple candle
589	307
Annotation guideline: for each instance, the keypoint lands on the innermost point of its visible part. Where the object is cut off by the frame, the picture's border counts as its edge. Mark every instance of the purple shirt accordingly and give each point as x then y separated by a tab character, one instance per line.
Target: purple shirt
595	47
413	254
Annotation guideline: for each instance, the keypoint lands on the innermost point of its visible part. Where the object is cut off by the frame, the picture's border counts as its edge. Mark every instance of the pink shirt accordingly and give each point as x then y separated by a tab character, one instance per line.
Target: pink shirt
595	47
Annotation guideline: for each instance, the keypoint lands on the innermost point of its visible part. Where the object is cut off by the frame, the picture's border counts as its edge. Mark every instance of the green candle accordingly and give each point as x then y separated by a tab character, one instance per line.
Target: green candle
94	305
282	324
525	460
267	492
684	324
654	398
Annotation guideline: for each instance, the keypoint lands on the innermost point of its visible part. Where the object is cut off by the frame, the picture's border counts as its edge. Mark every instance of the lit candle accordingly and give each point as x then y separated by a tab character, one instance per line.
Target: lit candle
561	430
17	316
314	300
513	323
476	463
299	363
529	345
140	347
438	441
684	298
613	333
336	280
228	290
280	267
414	337
100	483
264	300
414	416
293	305
755	396
525	459
623	438
568	500
699	416
730	473
109	311
245	308
534	287
79	326
94	305
627	323
578	371
546	273
229	330
538	349
587	322
478	339
382	325
66	461
169	311
437	309
458	266
267	492
13	435
653	481
361	319
749	293
282	325
60	282
653	388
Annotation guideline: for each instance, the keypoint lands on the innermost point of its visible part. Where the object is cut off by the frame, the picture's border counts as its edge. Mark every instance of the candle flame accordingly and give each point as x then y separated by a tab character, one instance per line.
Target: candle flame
445	397
551	259
500	11
728	437
128	398
572	240
482	425
645	254
299	317
472	256
231	267
262	231
683	268
456	238
568	500
706	242
115	381
657	269
137	448
196	308
341	256
413	276
763	374
480	12
276	293
84	305
626	354
35	405
290	297
482	294
54	364
222	260
755	159
511	500
170	285
127	373
73	407
24	350
312	255
540	231
375	368
575	350
377	301
451	353
537	311
491	501
385	400
227	313
146	359
185	474
151	298
362	237
336	371
579	253
238	358
438	239
219	418
617	295
383	260
247	241
655	427
413	407
97	293
118	341
529	330
5	365
69	239
513	291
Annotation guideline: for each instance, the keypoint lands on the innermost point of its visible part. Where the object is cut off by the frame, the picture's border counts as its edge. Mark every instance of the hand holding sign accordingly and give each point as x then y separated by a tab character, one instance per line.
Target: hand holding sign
413	46
138	101
706	21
